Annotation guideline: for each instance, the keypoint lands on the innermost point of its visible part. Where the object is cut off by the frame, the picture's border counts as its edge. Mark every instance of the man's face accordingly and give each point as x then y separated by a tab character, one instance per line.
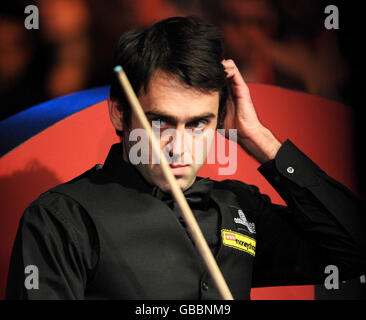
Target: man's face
172	107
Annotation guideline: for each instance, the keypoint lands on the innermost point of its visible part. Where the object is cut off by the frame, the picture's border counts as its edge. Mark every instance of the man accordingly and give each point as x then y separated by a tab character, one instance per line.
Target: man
115	232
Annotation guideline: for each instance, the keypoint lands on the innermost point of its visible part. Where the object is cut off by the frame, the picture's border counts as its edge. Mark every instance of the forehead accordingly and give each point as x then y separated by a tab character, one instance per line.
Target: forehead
171	96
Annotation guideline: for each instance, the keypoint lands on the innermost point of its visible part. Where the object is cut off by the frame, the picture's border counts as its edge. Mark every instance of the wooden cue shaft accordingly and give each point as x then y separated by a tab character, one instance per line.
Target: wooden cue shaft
186	212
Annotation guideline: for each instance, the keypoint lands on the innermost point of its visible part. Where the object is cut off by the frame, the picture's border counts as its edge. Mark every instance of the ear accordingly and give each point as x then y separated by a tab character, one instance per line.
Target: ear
115	114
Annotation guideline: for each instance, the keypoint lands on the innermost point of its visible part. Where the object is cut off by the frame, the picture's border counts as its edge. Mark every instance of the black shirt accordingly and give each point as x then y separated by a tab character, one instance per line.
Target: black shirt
108	234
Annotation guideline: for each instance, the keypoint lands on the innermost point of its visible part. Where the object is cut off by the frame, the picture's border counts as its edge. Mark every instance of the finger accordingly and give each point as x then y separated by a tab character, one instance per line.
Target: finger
238	88
228	63
233	70
229	72
228	66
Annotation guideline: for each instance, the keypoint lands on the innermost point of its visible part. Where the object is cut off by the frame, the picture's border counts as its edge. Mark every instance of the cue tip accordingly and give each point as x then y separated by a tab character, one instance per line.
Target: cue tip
117	68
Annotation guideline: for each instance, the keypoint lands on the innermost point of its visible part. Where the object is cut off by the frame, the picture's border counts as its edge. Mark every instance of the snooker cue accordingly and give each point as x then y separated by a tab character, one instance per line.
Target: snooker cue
177	193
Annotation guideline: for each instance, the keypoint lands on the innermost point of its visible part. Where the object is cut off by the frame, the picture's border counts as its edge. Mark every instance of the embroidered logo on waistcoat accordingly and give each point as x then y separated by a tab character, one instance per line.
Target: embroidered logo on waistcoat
243	220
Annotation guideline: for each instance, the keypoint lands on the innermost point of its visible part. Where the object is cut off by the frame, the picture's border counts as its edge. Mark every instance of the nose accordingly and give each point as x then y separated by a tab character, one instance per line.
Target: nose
176	150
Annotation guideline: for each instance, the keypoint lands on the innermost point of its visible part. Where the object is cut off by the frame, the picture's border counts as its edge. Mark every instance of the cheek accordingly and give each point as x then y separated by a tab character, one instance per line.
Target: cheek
201	146
210	135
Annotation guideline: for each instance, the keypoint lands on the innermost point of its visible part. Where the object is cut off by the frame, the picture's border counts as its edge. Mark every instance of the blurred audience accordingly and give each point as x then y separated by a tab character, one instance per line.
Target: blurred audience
240	21
305	50
65	27
284	43
280	42
122	16
21	82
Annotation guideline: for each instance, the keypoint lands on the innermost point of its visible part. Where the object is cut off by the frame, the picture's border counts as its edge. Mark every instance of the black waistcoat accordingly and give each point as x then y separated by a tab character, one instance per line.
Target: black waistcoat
145	253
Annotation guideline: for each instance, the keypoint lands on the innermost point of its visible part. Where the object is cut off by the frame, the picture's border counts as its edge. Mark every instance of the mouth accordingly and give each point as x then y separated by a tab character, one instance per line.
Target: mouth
178	169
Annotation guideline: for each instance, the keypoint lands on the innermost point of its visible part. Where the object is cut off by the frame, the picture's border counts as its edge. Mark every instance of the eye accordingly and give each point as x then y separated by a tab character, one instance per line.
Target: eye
158	123
199	124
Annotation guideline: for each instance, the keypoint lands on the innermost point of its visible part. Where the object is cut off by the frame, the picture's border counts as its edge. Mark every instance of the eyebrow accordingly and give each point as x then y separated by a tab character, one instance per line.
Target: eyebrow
171	119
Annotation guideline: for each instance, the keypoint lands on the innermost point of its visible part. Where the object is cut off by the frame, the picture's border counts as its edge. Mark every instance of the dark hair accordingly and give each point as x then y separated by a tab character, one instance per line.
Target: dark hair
185	47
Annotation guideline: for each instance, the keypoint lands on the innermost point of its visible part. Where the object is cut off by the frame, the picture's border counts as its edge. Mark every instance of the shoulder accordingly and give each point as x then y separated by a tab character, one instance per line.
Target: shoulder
59	210
236	186
243	192
58	226
58	203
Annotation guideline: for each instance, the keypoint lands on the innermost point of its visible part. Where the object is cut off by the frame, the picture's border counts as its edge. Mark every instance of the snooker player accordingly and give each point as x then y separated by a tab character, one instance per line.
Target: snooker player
115	232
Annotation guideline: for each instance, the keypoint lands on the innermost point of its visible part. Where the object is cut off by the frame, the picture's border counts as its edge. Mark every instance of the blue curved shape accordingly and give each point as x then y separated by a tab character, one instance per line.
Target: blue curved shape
23	125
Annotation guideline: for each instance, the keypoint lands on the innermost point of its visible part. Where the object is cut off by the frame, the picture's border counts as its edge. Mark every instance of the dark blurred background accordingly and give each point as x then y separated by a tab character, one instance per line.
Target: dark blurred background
277	42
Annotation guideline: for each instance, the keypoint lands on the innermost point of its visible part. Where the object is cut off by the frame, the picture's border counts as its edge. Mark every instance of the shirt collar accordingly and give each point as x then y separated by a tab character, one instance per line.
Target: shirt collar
130	177
197	195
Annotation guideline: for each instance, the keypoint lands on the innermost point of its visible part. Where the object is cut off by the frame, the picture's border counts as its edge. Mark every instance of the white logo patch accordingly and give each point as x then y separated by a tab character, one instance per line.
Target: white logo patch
243	220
